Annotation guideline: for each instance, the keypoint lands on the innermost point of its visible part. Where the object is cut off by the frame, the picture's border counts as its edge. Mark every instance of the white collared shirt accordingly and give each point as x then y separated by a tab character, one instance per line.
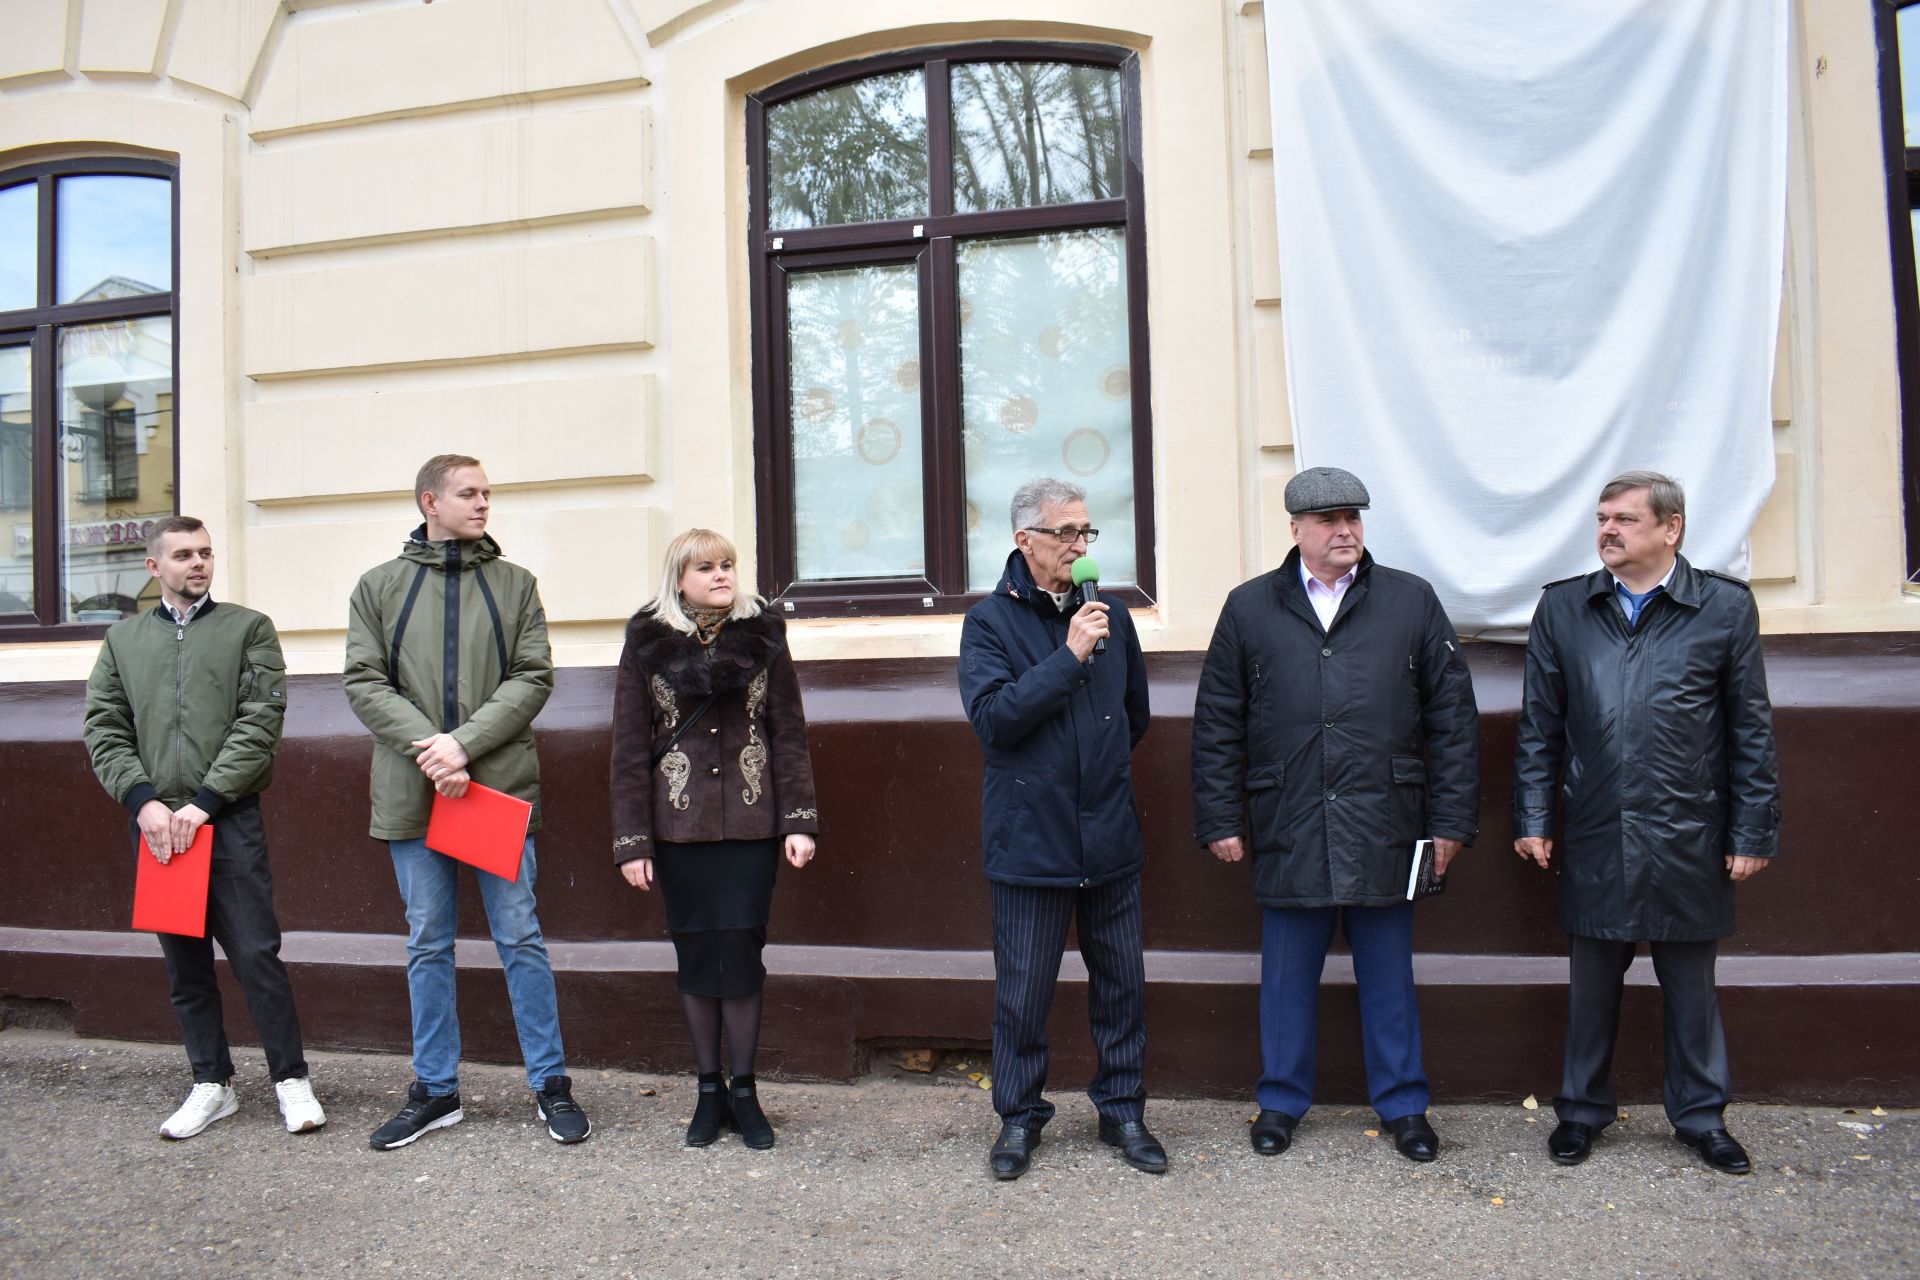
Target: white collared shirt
1325	599
182	619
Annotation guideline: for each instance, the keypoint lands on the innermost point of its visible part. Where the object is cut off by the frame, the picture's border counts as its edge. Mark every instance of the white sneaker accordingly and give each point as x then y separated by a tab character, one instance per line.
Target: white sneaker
207	1103
298	1107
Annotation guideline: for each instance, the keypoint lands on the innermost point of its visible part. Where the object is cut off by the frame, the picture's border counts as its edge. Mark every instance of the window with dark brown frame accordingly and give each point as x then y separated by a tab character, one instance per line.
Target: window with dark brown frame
949	298
89	259
1897	24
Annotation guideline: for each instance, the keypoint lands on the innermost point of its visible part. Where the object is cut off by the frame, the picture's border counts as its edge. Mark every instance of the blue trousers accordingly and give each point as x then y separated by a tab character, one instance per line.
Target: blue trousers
1293	953
427	882
1029	937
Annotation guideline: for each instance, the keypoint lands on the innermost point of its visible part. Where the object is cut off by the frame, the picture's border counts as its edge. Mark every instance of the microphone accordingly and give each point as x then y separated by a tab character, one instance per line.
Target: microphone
1086	576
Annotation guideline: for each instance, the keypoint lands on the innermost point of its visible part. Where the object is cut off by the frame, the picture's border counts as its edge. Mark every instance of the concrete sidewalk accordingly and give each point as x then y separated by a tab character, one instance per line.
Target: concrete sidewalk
887	1178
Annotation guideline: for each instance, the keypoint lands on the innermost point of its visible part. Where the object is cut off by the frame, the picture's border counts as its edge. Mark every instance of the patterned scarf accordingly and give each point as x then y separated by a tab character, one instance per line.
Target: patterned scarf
707	622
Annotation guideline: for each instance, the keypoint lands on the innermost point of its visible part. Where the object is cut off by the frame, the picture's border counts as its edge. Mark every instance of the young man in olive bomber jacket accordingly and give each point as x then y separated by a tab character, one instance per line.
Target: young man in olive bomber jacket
183	716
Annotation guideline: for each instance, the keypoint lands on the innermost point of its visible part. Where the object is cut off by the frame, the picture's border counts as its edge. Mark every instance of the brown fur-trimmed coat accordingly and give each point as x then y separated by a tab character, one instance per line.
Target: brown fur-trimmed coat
742	772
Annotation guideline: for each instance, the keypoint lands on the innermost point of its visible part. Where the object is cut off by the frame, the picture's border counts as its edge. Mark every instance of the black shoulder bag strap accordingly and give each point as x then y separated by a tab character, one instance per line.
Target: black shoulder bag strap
681	732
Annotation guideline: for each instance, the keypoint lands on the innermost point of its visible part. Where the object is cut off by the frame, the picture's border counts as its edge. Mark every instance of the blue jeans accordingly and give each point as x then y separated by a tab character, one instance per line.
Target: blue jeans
427	883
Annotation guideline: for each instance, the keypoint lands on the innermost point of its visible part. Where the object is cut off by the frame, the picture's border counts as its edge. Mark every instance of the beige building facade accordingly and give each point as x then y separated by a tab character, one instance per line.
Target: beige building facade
521	230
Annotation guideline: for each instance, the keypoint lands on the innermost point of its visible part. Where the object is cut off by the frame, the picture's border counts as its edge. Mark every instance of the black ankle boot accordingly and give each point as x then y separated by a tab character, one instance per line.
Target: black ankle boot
711	1114
747	1117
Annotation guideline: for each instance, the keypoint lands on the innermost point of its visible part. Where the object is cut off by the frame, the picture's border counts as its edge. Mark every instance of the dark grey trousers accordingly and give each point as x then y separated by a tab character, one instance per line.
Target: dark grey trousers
240	916
1029	938
1697	1085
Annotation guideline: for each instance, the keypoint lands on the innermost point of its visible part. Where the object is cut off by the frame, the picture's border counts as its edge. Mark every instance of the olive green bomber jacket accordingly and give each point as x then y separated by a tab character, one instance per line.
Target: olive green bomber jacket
406	682
187	714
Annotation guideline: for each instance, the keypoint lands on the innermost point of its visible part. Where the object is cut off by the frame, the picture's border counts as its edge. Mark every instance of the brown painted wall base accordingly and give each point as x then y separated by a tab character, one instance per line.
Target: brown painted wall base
881	943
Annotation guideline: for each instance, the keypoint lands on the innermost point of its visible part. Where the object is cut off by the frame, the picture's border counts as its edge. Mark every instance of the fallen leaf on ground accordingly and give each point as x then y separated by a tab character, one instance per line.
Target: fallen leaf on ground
975	1075
1499	1200
1372	1133
986	1083
1878	1111
1530	1102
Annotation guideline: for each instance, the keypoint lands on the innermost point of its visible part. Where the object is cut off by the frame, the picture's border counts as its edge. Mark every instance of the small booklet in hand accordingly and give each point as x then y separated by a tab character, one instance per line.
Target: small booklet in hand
1422	880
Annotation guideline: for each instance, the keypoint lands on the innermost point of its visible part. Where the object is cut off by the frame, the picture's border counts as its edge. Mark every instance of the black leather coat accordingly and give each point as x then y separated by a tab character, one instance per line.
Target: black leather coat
1658	744
1332	750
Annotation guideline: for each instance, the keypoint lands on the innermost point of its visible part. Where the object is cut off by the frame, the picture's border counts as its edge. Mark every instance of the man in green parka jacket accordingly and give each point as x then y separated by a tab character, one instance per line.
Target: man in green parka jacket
447	665
184	711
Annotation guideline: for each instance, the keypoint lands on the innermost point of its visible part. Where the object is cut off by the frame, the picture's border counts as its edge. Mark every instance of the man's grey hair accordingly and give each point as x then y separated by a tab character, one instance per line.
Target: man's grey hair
1035	496
1664	495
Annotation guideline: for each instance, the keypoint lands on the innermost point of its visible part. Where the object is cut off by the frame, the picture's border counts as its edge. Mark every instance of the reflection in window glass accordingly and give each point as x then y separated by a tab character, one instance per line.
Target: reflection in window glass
1909	40
116	461
19	218
1046	388
854	397
115	237
1034	133
16	480
853	153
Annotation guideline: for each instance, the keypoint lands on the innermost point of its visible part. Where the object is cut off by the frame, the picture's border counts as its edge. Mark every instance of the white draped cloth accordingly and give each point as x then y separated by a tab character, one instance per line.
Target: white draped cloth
1526	245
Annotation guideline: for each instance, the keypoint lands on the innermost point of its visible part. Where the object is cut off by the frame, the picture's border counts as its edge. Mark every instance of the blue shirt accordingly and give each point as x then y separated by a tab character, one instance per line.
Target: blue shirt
1633	605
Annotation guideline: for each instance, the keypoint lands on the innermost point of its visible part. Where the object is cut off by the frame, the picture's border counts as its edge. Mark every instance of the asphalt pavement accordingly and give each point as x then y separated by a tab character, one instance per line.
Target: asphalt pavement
887	1177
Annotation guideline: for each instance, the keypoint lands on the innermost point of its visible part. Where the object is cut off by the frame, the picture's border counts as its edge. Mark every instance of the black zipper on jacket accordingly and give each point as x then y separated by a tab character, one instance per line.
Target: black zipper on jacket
450	644
179	699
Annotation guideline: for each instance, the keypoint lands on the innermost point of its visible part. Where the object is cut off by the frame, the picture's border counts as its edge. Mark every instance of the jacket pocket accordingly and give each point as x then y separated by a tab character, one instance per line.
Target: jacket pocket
1007	806
1408	803
1266	808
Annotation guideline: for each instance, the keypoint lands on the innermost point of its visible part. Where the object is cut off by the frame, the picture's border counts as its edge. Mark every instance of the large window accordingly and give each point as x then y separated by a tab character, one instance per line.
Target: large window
87	457
949	299
1899	32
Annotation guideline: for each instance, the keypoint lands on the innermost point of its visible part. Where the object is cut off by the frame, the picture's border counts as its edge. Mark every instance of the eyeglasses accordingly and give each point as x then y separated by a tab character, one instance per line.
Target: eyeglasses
1068	533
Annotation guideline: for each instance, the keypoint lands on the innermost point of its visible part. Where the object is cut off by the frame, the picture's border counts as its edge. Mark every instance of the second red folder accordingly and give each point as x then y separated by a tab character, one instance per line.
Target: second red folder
483	828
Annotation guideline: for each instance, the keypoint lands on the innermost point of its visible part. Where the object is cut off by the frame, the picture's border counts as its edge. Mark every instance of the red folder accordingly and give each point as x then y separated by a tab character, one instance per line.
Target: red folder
172	897
483	828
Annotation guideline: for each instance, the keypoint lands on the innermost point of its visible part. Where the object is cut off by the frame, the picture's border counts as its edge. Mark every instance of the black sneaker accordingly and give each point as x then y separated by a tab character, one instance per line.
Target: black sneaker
566	1122
422	1113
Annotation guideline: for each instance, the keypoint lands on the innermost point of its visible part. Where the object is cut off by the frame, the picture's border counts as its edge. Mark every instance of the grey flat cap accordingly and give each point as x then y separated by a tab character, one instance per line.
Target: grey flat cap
1325	489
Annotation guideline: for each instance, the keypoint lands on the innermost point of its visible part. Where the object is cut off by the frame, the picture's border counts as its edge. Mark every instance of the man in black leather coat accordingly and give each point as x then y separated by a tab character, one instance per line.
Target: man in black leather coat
1645	719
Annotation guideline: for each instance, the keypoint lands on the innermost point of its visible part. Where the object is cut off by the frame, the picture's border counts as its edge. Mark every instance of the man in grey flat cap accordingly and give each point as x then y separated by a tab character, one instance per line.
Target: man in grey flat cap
1334	728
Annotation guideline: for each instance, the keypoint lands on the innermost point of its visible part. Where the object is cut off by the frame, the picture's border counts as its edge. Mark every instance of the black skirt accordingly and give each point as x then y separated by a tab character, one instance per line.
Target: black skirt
718	895
717	884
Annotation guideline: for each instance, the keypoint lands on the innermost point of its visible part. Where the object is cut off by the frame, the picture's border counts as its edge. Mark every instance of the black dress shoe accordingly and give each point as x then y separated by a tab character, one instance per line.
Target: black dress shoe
1138	1147
1719	1149
1012	1151
1272	1131
1571	1142
1414	1138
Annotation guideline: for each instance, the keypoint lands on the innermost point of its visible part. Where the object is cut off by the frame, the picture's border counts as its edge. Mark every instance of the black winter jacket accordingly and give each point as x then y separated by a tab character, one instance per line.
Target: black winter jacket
1058	733
1333	750
1660	741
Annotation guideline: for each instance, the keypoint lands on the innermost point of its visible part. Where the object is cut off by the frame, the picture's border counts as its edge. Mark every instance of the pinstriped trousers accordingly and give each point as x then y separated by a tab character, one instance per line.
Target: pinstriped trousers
1029	938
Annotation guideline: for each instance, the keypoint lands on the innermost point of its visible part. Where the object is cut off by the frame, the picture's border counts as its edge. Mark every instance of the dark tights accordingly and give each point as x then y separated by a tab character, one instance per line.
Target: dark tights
741	1017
